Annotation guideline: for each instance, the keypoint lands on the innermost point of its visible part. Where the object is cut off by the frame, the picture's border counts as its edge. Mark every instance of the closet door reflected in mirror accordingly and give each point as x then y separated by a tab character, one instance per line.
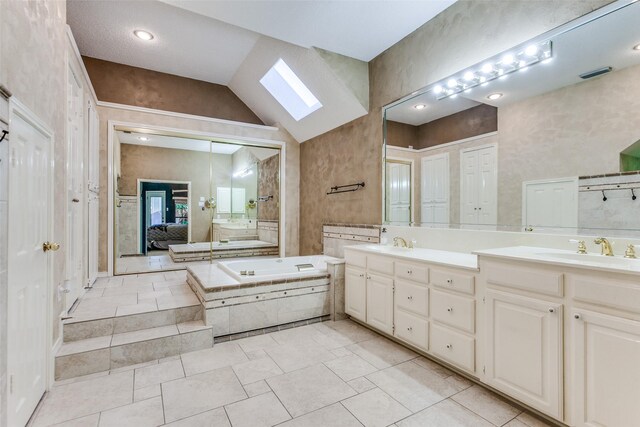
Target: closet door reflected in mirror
181	201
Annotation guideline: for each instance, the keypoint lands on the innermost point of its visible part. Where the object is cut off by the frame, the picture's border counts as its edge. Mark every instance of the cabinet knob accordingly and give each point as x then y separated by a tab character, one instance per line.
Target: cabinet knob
362	275
449	346
410	328
449	281
552	310
368	277
449	309
410	297
409	272
576	316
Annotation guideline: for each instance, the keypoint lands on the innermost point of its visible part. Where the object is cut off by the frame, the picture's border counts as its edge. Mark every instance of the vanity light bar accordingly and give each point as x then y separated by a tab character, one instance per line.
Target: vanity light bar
494	68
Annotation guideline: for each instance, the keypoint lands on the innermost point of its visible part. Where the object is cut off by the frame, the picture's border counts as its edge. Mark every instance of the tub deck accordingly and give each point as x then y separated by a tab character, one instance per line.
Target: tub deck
237	248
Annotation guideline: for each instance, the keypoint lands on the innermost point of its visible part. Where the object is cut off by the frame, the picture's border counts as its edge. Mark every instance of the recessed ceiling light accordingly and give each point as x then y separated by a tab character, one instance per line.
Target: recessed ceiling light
420	107
494	96
143	138
637	47
143	35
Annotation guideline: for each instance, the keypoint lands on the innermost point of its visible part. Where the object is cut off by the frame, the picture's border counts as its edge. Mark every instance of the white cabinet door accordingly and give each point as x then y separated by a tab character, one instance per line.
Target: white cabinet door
524	350
380	303
355	298
434	197
479	186
606	370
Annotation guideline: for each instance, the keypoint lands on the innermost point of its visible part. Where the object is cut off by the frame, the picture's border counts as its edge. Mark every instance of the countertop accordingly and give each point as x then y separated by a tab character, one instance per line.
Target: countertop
433	256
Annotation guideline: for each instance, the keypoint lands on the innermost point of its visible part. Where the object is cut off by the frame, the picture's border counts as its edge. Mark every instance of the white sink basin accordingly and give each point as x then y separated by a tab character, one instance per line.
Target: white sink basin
605	261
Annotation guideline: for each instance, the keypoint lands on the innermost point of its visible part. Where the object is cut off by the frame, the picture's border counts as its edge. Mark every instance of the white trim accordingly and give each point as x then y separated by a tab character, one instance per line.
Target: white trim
448	144
412	164
111	134
184	115
76	53
18	108
481	147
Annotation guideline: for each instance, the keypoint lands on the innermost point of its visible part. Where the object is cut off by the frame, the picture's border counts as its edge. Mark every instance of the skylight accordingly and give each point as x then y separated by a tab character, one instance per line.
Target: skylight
283	84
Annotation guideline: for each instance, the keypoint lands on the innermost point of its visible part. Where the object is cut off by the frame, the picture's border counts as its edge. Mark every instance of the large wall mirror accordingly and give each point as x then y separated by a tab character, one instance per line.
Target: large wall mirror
544	136
181	200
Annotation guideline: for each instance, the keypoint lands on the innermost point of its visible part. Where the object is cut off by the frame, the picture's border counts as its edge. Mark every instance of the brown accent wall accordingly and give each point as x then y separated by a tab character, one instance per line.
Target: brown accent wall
402	134
465	33
128	85
269	184
465	124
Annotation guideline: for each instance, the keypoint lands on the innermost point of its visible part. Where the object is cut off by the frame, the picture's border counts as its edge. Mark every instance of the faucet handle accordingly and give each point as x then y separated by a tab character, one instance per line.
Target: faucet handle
630	252
582	247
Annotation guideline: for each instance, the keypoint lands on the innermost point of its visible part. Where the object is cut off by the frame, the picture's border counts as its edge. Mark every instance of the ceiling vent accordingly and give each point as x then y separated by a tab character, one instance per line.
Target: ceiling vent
595	73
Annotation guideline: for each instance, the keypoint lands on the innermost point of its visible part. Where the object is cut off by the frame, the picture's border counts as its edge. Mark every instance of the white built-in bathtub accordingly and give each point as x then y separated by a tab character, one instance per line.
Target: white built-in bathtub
274	269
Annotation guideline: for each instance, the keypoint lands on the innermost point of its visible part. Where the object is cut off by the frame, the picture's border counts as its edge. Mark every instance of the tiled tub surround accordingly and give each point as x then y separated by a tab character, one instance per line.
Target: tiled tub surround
233	306
336	236
236	248
268	231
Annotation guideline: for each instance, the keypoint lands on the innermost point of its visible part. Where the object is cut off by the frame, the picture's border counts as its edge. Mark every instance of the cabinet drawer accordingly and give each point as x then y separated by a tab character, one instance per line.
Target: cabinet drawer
612	293
453	347
453	310
412	329
453	280
380	264
416	272
412	297
529	279
355	258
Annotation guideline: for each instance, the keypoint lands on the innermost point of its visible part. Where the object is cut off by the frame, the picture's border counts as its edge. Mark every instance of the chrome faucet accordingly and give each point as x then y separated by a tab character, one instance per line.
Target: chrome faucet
607	250
401	243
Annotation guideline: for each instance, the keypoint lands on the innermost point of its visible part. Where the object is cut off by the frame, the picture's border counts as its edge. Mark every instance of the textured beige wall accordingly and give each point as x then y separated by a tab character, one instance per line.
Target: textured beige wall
269	184
214	128
33	53
462	35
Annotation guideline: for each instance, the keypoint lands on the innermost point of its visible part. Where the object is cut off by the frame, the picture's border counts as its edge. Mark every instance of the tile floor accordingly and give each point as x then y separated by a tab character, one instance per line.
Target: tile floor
153	262
324	374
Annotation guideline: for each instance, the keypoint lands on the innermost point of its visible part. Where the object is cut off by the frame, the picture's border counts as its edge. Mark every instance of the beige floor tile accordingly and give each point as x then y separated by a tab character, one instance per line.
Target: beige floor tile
375	408
259	387
192	395
134	367
361	384
221	355
175	301
143	335
257	354
264	410
487	404
341	352
381	352
294	336
445	414
146	413
192	326
144	307
88	421
333	415
152	295
514	423
215	418
146	392
81	378
180	290
87	397
255	370
258	342
414	387
158	373
531	421
433	366
309	389
291	357
350	330
350	367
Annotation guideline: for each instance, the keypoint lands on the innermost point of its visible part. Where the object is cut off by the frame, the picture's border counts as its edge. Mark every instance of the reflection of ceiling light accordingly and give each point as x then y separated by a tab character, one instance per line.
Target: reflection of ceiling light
420	107
636	47
452	83
143	35
243	173
487	68
468	76
507	59
437	90
143	138
531	50
494	96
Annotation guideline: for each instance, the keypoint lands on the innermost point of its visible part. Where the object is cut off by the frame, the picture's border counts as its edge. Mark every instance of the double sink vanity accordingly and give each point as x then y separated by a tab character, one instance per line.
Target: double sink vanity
556	330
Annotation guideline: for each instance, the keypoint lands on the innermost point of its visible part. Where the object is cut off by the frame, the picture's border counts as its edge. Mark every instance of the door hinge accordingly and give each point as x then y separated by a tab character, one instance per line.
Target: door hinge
484	369
10	384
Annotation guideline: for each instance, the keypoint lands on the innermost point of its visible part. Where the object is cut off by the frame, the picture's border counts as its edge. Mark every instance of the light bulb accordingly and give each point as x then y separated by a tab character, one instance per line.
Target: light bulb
531	50
452	83
468	76
507	59
487	68
143	35
437	90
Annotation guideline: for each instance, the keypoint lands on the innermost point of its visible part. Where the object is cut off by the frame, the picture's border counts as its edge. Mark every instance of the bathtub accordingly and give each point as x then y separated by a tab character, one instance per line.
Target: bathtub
277	268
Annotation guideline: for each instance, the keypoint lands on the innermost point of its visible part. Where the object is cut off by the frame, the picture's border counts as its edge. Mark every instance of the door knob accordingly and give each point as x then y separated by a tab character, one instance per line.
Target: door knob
50	246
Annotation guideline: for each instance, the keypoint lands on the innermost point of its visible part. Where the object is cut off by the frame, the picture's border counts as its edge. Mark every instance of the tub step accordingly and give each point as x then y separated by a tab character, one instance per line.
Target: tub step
75	329
119	350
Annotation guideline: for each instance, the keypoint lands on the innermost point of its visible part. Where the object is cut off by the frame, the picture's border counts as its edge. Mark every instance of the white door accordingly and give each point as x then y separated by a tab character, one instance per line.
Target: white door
398	192
75	191
156	207
550	203
606	352
524	350
355	297
380	303
479	186
93	209
29	212
434	191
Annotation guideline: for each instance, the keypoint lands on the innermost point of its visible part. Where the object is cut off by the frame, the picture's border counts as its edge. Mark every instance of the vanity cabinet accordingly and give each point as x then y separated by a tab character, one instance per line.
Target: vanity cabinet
380	302
523	349
355	297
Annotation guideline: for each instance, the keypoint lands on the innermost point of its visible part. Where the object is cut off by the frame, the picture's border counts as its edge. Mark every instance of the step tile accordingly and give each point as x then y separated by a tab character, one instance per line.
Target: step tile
79	364
143	335
195	325
74	331
144	351
82	346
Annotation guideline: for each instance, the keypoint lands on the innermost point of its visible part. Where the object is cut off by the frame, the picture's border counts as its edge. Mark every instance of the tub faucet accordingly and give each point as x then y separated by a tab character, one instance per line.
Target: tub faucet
400	242
607	250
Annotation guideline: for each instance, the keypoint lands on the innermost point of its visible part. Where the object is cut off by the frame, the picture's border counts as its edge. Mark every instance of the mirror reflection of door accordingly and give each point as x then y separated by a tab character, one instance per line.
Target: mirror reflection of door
434	206
398	191
156	208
